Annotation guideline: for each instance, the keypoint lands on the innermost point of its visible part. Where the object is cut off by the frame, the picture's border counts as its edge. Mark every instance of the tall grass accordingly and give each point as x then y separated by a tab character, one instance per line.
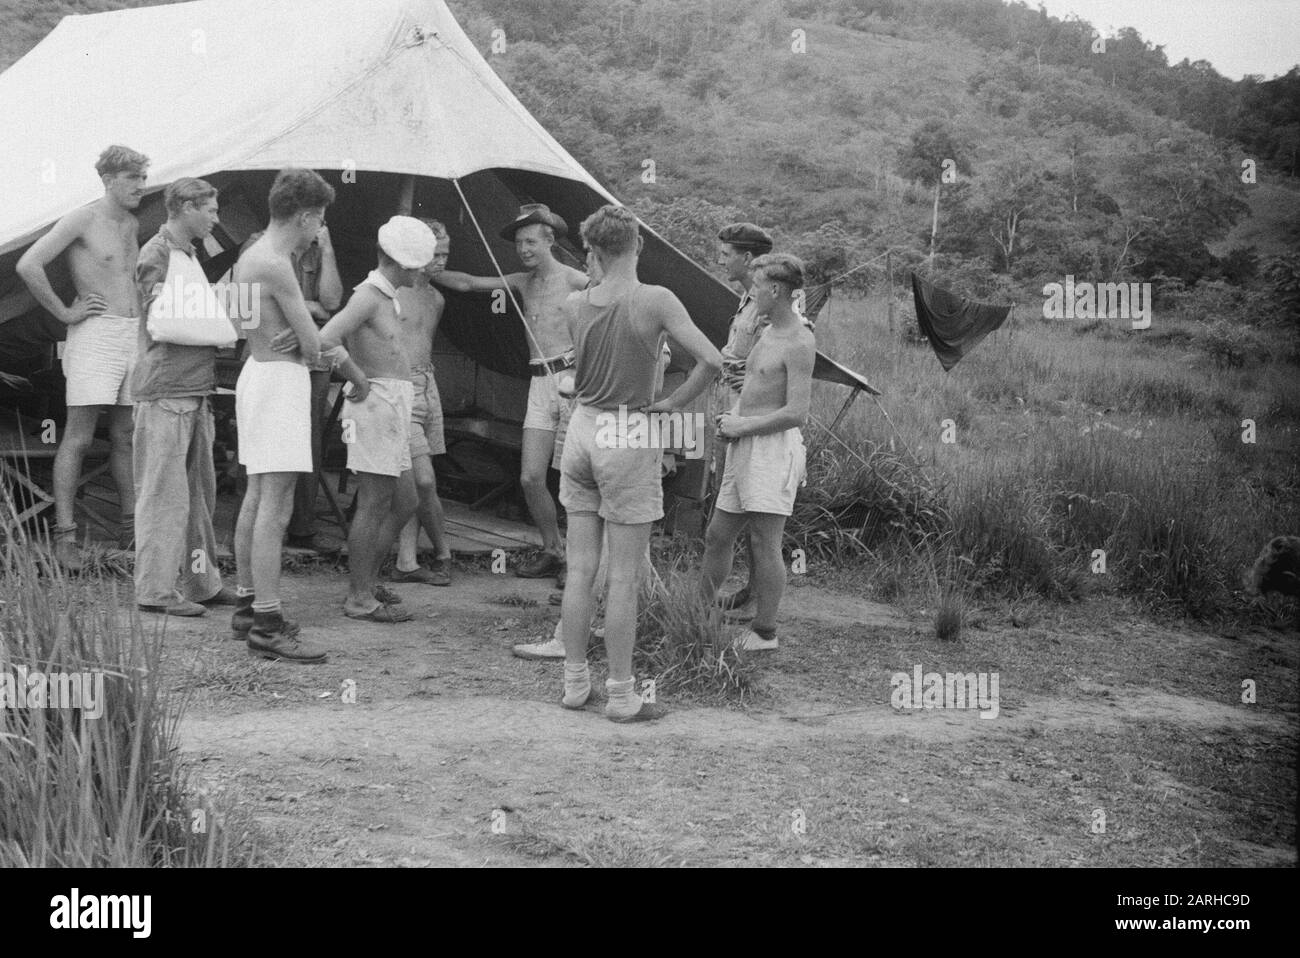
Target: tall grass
83	791
1071	438
684	645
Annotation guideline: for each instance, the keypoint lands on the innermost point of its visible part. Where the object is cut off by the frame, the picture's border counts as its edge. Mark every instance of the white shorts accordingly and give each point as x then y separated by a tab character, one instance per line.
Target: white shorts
273	417
377	430
763	473
98	357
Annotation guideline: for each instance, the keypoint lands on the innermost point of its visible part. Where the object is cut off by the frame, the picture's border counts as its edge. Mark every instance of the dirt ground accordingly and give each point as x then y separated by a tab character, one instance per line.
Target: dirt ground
1118	742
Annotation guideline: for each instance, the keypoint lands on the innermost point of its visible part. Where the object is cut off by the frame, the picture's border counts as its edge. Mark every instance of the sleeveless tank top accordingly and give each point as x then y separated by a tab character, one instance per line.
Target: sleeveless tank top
615	366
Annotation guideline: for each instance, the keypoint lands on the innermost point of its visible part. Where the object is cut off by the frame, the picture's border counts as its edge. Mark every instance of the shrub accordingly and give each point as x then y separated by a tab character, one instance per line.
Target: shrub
859	497
683	644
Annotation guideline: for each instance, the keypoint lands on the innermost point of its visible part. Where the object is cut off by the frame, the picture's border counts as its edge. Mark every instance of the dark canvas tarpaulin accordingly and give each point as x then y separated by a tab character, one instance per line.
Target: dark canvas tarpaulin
953	325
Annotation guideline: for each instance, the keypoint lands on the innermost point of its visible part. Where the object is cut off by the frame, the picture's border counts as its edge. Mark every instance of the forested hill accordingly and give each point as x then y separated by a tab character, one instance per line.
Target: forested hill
831	120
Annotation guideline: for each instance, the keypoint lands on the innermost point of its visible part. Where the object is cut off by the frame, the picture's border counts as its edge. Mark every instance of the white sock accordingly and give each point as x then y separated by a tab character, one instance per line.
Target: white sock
577	684
623	698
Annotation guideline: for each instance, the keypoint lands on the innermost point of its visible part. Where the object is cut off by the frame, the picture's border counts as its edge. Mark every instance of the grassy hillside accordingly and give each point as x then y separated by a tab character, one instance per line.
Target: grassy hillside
800	114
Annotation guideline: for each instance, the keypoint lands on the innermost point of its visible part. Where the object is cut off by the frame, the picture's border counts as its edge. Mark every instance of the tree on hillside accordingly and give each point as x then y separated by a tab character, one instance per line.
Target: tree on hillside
1175	195
1010	192
934	154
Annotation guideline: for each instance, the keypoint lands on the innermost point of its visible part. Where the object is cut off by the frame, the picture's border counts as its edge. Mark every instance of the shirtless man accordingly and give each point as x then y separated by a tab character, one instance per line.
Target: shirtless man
376	425
765	455
421	309
273	411
610	483
102	243
543	289
317	271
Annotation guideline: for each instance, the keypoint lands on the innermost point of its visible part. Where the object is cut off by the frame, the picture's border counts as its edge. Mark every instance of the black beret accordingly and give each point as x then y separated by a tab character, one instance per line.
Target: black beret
747	236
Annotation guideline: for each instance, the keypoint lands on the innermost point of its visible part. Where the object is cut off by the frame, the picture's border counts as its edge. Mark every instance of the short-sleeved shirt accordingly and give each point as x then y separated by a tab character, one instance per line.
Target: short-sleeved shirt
746	327
166	370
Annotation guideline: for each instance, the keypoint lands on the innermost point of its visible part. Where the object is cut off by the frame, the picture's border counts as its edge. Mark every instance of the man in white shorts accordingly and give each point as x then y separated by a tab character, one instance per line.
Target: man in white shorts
766	460
102	244
543	289
421	308
376	424
273	411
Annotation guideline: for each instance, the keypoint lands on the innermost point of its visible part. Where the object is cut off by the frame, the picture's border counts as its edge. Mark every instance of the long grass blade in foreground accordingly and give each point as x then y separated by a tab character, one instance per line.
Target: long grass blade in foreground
101	784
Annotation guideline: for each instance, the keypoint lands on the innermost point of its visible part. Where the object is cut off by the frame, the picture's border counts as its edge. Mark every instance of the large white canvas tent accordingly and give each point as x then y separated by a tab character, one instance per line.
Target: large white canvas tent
387	98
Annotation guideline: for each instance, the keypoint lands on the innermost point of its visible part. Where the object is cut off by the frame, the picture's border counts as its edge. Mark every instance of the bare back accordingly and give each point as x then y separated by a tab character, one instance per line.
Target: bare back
102	258
772	377
422	307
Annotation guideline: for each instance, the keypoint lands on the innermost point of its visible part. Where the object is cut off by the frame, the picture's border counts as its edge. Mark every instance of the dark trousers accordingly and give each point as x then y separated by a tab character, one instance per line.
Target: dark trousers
303	522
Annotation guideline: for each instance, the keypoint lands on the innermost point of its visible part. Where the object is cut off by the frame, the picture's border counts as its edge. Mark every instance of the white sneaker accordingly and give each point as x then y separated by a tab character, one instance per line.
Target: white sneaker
552	648
751	641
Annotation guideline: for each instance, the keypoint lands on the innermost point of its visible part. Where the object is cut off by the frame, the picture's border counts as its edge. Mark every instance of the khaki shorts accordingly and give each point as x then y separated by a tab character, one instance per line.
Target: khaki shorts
618	483
550	411
273	417
547	409
377	430
98	357
426	435
763	473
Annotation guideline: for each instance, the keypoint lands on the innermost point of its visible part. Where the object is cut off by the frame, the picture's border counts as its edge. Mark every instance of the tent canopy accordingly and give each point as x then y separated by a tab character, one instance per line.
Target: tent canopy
377	91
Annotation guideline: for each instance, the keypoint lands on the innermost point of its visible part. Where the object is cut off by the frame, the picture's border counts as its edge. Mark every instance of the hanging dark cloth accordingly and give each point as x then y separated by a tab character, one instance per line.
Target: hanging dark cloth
953	325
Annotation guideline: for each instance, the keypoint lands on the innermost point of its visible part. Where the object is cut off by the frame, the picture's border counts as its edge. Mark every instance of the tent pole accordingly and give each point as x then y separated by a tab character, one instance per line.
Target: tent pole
839	417
901	440
849	449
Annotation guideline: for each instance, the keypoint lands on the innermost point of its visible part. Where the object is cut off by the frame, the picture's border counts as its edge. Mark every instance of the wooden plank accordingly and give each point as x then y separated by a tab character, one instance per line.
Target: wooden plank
525	535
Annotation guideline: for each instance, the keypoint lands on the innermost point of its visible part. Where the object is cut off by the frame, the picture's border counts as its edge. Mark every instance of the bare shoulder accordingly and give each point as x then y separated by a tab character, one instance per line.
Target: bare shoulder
365	300
801	346
75	224
260	264
661	296
578	280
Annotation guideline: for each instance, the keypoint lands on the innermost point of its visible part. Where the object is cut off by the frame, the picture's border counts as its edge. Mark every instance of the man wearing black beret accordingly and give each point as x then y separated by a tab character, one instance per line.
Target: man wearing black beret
738	246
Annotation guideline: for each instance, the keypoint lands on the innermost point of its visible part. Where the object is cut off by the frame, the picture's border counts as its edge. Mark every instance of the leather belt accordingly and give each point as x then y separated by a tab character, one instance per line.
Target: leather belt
545	367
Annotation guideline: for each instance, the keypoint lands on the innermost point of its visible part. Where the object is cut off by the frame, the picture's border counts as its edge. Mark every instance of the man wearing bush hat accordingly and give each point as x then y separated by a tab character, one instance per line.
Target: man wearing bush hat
541	288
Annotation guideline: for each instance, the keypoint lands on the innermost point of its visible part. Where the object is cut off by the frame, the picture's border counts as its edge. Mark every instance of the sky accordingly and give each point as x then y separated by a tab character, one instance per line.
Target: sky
1236	36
